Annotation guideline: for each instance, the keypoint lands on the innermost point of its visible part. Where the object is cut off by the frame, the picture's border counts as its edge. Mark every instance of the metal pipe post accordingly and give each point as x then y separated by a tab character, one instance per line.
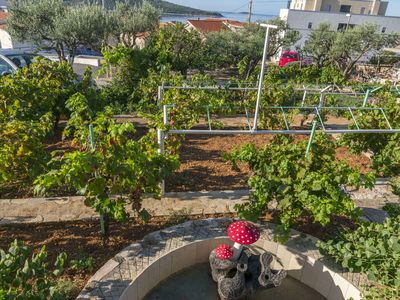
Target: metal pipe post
161	136
366	98
260	83
314	127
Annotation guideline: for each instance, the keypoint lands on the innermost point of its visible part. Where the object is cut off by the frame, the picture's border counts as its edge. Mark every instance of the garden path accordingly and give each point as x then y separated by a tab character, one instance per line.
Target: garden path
31	210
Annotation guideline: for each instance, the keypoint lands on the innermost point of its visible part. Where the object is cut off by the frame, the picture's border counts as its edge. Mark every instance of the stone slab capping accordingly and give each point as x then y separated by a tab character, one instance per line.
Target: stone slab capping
140	267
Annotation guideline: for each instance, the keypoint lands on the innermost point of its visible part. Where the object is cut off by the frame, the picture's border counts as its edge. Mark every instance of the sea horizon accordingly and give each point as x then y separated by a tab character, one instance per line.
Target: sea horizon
238	16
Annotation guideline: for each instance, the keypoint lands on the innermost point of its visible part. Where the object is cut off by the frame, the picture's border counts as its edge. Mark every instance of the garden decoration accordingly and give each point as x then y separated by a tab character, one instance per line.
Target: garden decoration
242	233
224	251
237	270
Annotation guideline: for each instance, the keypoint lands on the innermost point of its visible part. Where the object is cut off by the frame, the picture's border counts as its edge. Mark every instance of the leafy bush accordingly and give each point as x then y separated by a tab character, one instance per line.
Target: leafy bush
385	147
393	209
301	186
85	264
113	164
31	103
295	73
25	276
66	290
22	155
373	249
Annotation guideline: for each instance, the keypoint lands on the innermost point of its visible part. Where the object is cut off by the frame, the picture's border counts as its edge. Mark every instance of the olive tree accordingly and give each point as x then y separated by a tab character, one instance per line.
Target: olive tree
245	46
53	25
344	49
88	25
133	19
352	45
319	43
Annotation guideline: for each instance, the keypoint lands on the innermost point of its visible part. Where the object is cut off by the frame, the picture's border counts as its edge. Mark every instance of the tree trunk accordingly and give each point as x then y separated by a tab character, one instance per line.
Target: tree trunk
105	225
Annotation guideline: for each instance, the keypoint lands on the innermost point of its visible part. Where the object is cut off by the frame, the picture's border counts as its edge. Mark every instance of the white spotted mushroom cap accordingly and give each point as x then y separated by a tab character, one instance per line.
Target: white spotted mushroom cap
244	233
224	251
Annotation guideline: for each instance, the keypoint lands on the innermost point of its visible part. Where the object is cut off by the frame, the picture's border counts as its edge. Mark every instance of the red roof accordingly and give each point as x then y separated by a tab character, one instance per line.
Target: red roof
3	15
214	25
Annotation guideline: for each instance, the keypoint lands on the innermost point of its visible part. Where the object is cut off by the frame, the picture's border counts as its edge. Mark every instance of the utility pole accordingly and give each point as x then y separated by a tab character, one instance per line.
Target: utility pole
250	10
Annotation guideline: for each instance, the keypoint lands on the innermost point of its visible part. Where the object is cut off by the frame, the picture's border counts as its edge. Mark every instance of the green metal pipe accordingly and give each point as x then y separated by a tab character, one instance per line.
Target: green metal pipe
314	127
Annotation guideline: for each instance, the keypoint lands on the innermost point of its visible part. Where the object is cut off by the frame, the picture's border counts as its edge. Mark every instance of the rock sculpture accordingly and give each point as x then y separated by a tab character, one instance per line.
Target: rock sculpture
240	274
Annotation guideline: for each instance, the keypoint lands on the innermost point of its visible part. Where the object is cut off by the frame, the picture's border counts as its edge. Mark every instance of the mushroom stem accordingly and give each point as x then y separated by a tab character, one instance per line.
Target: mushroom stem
237	250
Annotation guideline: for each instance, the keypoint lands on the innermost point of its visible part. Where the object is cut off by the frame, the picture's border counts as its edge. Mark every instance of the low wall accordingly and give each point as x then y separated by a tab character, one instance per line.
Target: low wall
137	269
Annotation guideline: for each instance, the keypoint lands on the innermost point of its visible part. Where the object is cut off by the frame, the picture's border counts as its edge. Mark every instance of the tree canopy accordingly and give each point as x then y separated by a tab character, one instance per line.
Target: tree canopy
56	25
344	49
227	48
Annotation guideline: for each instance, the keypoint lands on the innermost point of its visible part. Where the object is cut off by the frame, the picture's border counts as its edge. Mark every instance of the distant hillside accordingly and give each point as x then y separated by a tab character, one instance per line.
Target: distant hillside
167	7
171	8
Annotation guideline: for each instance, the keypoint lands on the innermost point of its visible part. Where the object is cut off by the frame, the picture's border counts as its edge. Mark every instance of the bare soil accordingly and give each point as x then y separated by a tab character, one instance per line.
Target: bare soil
81	239
203	166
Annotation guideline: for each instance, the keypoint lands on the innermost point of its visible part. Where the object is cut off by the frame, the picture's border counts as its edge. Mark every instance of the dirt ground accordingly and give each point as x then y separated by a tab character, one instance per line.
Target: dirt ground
82	238
203	166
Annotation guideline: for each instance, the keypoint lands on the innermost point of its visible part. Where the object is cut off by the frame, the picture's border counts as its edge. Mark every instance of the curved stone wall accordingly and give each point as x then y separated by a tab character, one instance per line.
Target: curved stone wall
142	266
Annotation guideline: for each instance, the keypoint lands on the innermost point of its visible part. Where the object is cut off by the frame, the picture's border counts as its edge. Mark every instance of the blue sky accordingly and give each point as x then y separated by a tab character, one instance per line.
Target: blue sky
261	6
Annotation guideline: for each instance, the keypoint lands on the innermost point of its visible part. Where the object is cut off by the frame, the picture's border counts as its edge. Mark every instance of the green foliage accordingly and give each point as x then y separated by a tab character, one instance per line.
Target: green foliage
87	25
31	103
65	290
385	58
26	276
52	24
302	186
345	48
385	147
177	48
244	47
318	44
130	20
395	182
22	155
298	74
115	165
373	249
85	264
393	209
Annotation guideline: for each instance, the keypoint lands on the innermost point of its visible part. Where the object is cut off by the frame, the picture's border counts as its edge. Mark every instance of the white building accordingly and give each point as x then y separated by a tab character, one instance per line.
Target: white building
362	7
305	21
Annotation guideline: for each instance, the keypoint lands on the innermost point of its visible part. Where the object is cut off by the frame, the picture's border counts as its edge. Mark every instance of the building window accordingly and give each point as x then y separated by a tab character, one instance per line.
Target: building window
329	8
362	10
343	26
309	25
345	8
384	30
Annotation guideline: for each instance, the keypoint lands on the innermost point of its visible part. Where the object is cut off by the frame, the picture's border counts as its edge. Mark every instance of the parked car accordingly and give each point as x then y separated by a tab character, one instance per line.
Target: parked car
12	60
288	57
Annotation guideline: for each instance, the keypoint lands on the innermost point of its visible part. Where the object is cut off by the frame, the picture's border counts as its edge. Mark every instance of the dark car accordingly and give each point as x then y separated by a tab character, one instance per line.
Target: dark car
12	60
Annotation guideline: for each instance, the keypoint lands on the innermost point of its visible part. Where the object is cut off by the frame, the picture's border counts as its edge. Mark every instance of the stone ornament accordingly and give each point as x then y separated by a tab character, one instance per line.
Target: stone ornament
239	272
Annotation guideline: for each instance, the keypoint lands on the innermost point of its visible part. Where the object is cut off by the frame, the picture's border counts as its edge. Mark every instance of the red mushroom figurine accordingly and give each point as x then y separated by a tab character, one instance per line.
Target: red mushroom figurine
224	251
242	233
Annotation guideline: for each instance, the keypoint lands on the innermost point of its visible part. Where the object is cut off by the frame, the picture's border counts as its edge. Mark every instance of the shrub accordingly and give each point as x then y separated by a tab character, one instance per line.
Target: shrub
393	209
26	276
85	264
113	163
301	185
375	250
